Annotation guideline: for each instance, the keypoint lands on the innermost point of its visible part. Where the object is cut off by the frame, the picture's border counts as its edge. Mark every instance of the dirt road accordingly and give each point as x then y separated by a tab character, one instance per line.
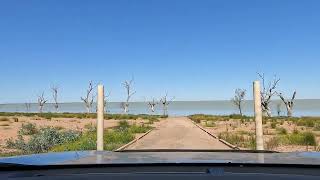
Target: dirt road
178	133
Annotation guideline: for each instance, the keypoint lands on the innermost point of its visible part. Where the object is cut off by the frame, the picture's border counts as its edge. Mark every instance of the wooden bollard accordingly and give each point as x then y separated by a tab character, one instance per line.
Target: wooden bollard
258	115
100	118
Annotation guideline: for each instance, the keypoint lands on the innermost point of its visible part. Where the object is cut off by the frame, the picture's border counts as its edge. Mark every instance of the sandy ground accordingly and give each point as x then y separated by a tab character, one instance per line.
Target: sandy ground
11	129
177	133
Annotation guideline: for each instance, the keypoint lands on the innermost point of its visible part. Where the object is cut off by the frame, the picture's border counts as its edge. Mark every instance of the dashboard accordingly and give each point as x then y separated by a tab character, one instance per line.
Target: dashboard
164	171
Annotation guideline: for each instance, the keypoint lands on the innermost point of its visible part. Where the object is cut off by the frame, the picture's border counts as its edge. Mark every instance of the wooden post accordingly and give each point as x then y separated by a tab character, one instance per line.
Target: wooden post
100	118
258	115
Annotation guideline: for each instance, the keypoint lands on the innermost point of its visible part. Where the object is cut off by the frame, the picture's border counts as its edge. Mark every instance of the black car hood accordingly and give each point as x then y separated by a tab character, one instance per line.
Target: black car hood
107	157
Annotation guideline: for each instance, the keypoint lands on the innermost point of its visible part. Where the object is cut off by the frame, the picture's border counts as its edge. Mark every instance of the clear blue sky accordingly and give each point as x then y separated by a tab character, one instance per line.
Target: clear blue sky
195	50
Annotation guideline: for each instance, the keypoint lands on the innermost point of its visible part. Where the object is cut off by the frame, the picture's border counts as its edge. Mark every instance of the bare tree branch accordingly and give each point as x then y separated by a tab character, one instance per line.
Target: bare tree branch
238	98
41	102
129	92
165	103
288	102
106	98
54	90
89	97
28	106
267	93
152	104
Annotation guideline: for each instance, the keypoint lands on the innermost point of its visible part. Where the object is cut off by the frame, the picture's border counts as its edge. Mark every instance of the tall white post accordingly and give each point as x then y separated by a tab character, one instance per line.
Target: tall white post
258	115
100	118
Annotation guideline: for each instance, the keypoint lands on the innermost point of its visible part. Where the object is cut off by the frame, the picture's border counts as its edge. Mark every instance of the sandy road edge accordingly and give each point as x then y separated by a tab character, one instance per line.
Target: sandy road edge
214	136
133	141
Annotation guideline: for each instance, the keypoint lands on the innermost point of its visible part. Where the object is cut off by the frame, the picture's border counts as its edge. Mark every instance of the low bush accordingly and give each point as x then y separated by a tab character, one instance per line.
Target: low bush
113	139
139	129
316	127
295	131
273	125
210	124
28	129
123	125
273	143
281	130
90	127
307	123
245	141
305	139
43	140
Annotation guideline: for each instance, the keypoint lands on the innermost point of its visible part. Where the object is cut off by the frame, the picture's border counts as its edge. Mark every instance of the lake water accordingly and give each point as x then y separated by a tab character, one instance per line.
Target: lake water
302	108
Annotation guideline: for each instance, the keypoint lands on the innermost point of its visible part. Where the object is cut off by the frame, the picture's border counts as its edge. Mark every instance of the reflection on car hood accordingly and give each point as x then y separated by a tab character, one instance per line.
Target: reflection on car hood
106	157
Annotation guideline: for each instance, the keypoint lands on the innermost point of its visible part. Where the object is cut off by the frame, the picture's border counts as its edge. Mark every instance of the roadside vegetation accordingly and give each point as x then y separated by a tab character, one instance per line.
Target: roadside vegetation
302	133
32	139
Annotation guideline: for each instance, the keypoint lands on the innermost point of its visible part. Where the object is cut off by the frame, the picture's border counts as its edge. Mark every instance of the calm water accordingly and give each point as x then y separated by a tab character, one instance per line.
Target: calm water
302	108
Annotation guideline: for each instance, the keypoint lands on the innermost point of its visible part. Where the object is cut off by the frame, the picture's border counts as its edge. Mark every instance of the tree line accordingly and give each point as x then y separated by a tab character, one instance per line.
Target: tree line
89	98
269	90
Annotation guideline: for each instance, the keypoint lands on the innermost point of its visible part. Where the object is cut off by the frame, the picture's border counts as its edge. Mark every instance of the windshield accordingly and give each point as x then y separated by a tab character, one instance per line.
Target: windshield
203	78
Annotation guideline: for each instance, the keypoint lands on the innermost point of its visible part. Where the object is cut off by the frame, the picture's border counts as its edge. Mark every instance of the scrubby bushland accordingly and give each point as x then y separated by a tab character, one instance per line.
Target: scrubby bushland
43	140
240	140
28	129
113	138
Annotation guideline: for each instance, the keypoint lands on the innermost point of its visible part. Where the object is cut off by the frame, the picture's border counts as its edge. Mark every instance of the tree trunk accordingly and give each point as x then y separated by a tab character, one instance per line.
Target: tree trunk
126	108
289	111
88	109
165	111
240	110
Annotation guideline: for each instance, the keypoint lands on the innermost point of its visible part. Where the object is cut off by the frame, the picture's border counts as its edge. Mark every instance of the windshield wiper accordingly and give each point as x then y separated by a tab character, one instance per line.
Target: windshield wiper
196	150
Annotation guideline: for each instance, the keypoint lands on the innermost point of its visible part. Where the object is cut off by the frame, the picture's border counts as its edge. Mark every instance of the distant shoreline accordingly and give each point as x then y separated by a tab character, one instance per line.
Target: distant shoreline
182	101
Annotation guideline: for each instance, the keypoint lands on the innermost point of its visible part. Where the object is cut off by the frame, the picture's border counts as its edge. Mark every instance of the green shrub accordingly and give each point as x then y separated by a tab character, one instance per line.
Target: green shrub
245	141
306	122
113	139
28	129
210	124
295	131
43	140
306	139
123	125
281	130
139	129
309	139
90	127
316	127
273	125
273	143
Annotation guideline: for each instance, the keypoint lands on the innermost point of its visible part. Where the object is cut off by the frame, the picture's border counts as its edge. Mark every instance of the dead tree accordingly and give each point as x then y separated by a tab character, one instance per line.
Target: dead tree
288	102
129	92
89	97
41	102
165	103
152	104
279	109
106	98
267	92
28	106
54	90
239	98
